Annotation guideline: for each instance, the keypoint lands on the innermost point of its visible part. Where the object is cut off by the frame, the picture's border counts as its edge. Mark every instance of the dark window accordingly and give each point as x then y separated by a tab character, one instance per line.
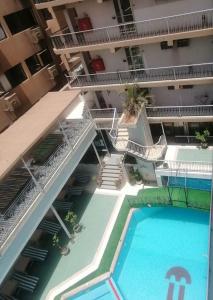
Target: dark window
20	20
46	14
183	43
33	64
186	86
16	75
2	33
171	87
165	46
45	57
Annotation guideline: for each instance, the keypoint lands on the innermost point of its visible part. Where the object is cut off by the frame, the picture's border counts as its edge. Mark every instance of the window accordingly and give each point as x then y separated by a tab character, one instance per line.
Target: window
183	43
16	75
20	20
33	64
2	33
171	87
46	14
165	46
186	86
45	57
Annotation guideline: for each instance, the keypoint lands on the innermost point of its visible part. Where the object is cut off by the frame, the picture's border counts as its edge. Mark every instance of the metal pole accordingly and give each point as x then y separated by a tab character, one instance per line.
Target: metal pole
61	222
31	174
97	155
64	134
104	141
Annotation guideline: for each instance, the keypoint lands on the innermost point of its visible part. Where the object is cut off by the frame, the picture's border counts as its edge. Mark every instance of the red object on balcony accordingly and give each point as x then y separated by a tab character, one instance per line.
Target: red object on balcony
98	64
84	24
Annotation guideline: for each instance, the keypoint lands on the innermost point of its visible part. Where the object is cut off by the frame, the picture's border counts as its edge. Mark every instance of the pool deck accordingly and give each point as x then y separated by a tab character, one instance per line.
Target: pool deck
85	255
189	154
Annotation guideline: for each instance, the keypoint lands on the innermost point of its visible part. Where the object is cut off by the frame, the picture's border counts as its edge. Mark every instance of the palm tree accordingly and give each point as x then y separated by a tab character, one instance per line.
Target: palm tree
136	97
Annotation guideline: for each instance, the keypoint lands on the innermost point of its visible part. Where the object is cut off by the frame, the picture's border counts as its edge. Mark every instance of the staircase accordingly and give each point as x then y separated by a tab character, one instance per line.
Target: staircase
111	175
122	139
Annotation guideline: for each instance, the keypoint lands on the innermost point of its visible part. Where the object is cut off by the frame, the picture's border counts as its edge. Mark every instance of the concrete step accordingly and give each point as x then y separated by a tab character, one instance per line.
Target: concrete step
110	175
110	172
122	130
108	187
123	134
111	167
106	182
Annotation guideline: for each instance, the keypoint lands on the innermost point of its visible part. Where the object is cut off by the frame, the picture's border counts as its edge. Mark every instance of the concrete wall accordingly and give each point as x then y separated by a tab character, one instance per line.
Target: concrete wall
194	96
148	9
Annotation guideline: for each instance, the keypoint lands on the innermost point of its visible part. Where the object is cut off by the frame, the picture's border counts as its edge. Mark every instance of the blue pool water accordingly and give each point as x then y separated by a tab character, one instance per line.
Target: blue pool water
193	183
160	240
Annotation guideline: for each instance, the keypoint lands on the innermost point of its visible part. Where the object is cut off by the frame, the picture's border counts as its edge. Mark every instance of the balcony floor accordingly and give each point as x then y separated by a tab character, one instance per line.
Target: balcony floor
59	268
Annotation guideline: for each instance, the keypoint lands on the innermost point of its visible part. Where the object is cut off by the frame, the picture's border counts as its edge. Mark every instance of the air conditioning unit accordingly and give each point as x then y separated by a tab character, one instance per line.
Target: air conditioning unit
10	102
37	34
53	71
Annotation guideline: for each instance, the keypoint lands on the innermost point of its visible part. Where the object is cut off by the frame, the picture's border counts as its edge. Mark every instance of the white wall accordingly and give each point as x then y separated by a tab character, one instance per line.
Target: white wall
148	9
101	14
113	61
194	96
200	50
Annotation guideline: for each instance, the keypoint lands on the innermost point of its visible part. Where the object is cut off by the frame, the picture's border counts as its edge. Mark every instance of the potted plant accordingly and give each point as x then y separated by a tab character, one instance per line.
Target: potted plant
71	218
202	137
138	177
64	250
136	97
131	176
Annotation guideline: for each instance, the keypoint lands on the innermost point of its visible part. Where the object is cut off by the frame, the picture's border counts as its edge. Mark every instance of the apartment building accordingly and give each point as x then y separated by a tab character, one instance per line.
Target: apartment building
165	46
27	67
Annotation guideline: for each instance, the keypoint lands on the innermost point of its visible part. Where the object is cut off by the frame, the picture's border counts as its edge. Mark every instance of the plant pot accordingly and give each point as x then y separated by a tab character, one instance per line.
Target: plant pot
64	250
204	145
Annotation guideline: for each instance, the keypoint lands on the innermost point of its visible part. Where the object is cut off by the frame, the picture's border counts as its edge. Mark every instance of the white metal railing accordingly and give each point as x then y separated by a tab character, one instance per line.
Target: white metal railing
171	73
186	22
184	166
41	1
103	117
152	152
114	130
41	175
179	111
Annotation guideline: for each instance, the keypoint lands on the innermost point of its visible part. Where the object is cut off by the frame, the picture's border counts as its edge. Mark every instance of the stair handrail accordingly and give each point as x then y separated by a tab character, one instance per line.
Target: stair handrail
114	129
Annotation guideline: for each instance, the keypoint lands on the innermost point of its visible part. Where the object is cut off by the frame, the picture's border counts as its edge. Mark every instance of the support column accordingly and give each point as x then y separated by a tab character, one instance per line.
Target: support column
97	155
61	222
64	134
105	144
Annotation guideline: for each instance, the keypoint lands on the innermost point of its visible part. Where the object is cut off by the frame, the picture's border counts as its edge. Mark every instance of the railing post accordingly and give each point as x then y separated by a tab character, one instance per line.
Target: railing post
108	36
119	76
167	25
61	222
64	134
174	73
37	183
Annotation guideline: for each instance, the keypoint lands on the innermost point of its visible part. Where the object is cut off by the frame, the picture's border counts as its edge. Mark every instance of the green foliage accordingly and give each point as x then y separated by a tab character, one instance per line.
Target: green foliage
135	98
137	175
202	136
55	241
71	218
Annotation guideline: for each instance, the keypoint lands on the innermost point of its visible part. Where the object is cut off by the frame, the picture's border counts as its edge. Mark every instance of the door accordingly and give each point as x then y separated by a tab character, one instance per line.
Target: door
124	14
134	57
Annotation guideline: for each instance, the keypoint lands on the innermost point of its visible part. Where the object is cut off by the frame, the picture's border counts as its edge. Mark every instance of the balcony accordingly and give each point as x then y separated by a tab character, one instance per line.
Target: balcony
151	77
41	4
35	170
196	113
188	25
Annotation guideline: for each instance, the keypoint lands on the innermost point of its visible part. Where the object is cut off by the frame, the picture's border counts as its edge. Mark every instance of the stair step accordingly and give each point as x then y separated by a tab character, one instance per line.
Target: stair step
107	178
108	187
110	182
123	134
111	175
111	172
112	167
122	130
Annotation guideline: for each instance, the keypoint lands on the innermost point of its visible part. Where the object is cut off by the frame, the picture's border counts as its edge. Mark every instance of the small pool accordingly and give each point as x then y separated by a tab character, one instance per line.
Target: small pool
164	256
193	183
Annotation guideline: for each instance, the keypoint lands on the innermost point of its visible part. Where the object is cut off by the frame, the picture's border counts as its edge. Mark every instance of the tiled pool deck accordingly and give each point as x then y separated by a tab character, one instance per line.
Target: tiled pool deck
95	220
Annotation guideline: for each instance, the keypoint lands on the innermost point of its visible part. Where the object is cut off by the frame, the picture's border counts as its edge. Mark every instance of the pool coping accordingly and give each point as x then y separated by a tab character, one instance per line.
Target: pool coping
93	266
106	275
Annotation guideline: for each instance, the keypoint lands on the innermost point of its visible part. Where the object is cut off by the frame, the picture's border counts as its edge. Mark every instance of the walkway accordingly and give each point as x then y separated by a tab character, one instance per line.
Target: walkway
95	220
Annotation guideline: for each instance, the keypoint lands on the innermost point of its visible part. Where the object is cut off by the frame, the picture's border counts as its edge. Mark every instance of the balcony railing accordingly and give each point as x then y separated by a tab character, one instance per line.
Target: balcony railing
41	1
185	166
179	111
172	73
72	131
133	30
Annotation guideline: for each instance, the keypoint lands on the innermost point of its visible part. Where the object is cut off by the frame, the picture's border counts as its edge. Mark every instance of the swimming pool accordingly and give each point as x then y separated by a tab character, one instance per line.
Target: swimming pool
165	251
193	183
